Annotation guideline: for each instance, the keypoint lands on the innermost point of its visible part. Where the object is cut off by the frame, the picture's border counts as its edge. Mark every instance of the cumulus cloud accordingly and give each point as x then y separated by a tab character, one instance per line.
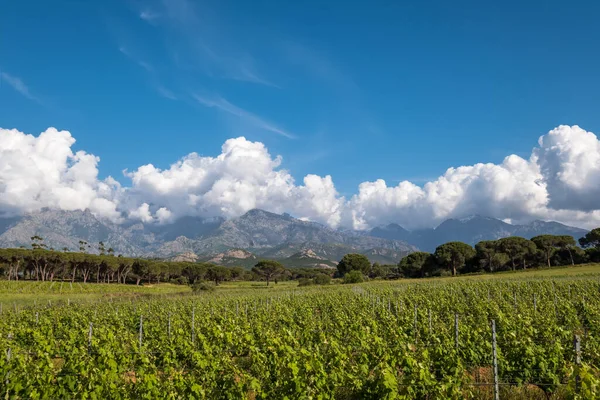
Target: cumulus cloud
42	171
559	181
569	159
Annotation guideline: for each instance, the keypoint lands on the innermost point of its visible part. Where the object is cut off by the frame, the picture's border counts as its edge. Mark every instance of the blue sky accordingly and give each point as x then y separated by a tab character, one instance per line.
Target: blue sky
357	90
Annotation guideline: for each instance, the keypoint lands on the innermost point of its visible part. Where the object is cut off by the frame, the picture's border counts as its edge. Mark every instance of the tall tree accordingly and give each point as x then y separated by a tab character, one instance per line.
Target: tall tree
218	274
37	242
454	255
567	242
354	262
547	244
415	264
517	249
269	269
486	252
101	248
591	239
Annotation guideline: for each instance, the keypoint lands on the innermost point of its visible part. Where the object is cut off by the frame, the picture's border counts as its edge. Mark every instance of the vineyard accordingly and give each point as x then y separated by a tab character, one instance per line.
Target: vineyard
530	338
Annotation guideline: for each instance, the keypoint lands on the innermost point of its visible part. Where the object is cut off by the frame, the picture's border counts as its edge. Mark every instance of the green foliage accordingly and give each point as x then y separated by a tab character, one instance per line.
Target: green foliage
454	255
416	265
305	282
354	262
354	276
517	249
322	279
203	287
269	270
376	341
591	239
549	244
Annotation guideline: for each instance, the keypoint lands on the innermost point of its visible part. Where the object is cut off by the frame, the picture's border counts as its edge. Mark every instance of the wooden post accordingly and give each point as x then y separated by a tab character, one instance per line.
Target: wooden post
534	302
141	331
193	324
429	312
8	357
456	329
577	345
90	338
495	361
415	323
37	318
169	326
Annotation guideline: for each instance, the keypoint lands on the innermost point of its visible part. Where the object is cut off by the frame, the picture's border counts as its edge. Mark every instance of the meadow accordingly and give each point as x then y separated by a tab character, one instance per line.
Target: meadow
408	339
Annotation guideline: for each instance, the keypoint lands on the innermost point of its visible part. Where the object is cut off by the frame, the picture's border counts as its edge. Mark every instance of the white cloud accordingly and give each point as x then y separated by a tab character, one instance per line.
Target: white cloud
42	171
560	181
18	85
225	106
569	159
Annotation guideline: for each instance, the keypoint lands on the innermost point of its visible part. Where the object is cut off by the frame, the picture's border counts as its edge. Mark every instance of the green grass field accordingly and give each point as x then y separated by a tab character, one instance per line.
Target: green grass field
28	293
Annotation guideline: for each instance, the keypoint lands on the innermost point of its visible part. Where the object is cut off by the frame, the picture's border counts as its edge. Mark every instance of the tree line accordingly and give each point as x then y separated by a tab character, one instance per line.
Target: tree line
511	253
41	263
453	258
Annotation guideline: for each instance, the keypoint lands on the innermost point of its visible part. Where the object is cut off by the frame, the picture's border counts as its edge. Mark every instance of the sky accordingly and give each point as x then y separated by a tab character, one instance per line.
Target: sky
352	114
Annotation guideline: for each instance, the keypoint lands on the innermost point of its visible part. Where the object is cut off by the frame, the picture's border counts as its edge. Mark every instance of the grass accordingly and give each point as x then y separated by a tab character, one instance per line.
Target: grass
28	293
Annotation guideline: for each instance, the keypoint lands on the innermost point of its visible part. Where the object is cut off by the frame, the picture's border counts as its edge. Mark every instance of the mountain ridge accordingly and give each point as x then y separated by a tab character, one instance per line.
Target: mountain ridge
472	229
262	233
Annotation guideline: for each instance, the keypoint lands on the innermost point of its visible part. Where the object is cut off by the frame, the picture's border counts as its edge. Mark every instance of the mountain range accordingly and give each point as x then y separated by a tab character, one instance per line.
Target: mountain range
237	241
256	234
472	229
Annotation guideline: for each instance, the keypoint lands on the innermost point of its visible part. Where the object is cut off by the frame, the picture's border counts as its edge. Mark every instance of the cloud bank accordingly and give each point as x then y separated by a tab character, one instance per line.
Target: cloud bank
560	181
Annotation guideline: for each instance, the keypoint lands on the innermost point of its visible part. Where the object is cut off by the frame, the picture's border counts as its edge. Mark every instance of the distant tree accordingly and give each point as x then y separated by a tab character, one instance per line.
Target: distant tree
322	279
487	251
454	255
415	264
354	262
101	248
37	242
517	248
193	271
550	244
381	271
82	244
567	242
110	251
353	276
218	274
141	268
591	239
268	269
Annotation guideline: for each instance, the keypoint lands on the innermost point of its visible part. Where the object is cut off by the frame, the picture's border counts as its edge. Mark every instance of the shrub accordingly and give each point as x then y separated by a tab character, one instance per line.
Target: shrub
180	280
305	282
203	287
322	279
354	276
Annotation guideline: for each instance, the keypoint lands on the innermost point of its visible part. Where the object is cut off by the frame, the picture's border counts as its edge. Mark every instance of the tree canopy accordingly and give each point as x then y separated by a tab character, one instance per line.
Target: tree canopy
591	239
354	262
415	264
454	255
268	269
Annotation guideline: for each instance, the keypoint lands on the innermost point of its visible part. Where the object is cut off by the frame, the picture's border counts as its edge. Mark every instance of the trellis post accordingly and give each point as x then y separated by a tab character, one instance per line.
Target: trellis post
495	361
